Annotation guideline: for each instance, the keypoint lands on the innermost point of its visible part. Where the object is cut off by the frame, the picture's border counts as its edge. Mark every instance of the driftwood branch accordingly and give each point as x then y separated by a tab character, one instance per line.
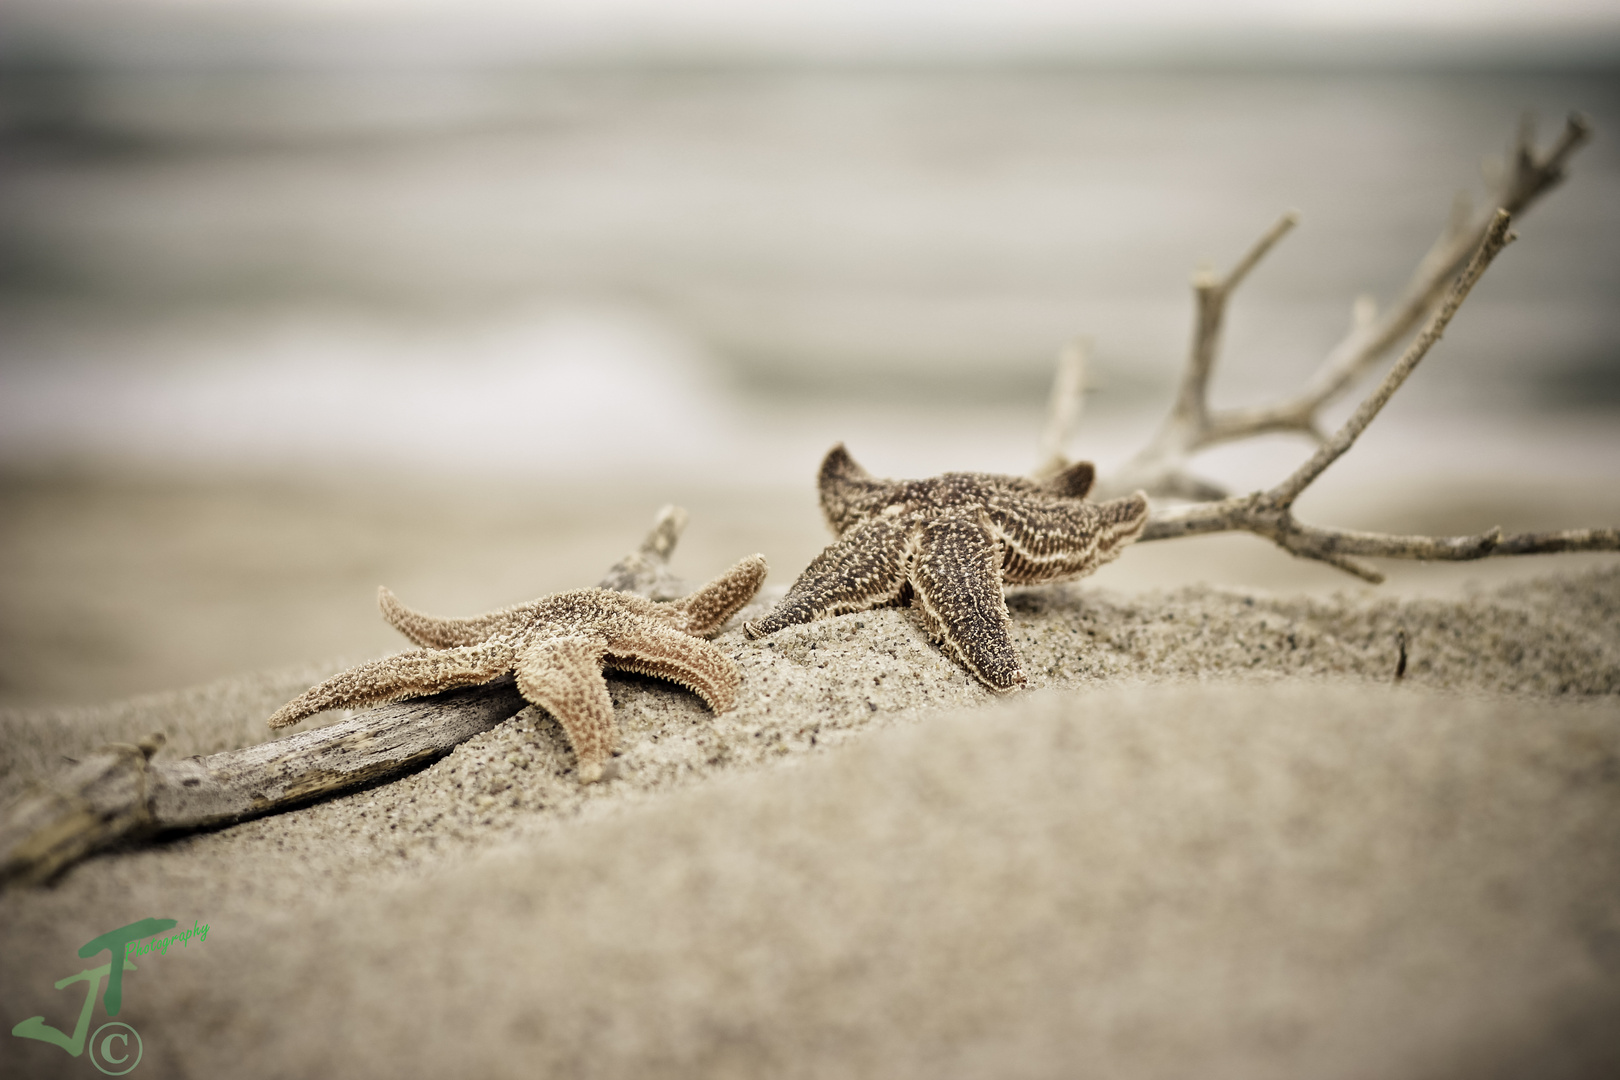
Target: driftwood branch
1437	287
1161	468
1270	513
1063	409
120	794
645	571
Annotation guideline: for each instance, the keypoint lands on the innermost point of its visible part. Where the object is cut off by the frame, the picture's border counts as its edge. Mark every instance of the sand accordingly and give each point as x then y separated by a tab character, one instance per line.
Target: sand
1215	838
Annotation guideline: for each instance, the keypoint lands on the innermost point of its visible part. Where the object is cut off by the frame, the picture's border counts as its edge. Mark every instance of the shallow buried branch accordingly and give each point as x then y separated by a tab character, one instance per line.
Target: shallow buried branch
118	793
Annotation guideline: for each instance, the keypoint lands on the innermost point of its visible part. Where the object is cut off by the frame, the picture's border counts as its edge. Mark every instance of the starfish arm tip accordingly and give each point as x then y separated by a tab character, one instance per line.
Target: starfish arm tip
1008	682
705	611
1073	482
282	718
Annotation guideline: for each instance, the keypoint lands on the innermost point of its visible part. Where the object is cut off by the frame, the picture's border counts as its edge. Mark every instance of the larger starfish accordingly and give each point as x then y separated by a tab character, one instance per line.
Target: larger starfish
558	647
947	544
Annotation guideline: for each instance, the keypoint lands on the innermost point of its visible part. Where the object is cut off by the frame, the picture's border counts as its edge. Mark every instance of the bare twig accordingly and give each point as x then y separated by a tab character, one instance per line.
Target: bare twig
645	571
1550	543
119	794
1437	287
1063	410
1496	238
1212	291
1161	467
1270	513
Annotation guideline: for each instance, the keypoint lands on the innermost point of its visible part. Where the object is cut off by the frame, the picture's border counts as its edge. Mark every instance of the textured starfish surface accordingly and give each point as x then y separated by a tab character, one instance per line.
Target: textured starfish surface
947	544
558	647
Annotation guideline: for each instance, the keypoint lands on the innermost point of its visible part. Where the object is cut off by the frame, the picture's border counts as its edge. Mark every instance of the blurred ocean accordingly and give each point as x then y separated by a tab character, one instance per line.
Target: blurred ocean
273	334
602	271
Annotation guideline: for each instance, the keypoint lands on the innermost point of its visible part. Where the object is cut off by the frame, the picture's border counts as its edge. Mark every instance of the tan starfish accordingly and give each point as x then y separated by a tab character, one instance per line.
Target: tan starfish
947	544
557	646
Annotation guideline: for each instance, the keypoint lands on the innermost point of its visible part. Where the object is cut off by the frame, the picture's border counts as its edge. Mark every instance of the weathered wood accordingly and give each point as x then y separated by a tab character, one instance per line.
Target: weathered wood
645	571
1161	467
1270	513
96	802
1438	286
119	794
367	748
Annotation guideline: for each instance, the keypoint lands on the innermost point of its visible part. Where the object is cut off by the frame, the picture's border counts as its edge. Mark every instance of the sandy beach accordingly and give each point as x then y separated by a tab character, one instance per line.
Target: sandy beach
1216	836
284	318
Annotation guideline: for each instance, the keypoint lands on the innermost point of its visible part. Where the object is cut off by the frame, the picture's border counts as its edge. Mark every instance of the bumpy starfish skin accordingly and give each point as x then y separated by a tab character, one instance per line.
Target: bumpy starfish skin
947	544
557	646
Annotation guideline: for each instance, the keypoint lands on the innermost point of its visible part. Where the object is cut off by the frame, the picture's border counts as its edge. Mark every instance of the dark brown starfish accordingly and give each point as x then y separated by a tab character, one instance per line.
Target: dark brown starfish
947	544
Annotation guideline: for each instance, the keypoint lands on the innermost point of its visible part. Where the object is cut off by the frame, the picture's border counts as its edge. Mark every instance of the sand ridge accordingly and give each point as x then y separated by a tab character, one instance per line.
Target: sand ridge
1152	713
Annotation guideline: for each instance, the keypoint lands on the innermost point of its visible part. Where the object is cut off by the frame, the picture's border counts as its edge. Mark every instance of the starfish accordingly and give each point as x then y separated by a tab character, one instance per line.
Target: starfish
558	647
947	544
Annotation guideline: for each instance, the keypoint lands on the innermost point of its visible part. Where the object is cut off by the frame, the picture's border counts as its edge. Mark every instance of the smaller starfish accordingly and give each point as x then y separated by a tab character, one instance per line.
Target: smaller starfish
947	544
558	646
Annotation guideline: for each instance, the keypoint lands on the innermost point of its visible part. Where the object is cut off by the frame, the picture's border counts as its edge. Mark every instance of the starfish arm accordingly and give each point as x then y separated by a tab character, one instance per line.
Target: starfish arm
1044	539
866	569
650	649
957	578
410	674
707	609
848	492
1073	482
435	633
564	677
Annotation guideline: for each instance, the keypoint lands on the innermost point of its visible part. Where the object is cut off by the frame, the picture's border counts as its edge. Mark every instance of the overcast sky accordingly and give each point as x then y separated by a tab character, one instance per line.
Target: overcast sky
489	29
1374	13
